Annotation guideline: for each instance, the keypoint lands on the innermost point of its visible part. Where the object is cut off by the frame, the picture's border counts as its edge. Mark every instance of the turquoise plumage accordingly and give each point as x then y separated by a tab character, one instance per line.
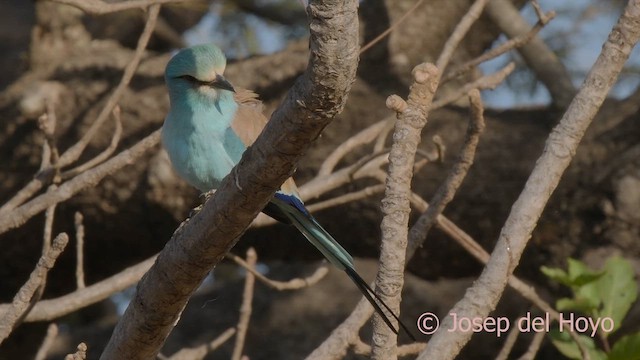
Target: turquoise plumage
207	129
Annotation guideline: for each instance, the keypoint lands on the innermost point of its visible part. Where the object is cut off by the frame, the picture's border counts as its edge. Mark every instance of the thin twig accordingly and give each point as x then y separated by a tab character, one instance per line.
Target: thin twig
538	56
104	155
52	332
22	300
363	137
74	152
50	309
459	33
534	347
293	284
49	215
99	7
346	198
84	180
199	352
507	346
80	354
484	82
458	172
514	43
79	250
245	308
391	28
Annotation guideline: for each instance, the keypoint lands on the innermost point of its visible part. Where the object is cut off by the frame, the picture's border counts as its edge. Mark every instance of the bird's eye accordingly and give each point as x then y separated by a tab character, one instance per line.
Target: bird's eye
188	78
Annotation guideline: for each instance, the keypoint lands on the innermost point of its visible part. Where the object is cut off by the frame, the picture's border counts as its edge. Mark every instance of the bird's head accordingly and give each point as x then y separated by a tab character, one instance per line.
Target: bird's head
198	68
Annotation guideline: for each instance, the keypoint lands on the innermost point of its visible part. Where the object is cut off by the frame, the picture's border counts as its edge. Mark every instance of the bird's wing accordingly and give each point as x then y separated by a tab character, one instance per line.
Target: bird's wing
248	124
249	120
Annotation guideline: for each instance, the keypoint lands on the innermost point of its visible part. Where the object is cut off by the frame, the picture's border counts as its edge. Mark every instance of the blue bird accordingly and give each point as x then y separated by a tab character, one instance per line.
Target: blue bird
209	126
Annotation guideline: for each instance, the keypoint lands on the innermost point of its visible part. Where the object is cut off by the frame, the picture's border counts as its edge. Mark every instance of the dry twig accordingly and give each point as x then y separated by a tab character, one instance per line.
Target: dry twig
80	354
293	284
50	309
79	250
52	332
100	7
245	308
22	301
199	352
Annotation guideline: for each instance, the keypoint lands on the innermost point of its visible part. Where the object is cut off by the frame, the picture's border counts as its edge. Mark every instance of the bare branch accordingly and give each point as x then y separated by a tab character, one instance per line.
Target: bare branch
88	178
412	117
100	7
454	179
73	153
104	155
79	250
22	301
514	43
458	34
485	82
534	347
507	346
363	137
80	354
199	352
245	308
346	198
385	33
293	284
536	53
50	309
52	332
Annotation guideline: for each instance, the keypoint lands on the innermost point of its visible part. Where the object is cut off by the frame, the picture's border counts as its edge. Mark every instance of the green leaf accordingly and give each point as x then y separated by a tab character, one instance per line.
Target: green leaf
626	348
584	305
578	274
556	274
617	290
565	344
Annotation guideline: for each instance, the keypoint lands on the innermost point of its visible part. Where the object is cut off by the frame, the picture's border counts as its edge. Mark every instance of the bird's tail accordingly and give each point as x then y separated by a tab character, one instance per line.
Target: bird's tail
336	254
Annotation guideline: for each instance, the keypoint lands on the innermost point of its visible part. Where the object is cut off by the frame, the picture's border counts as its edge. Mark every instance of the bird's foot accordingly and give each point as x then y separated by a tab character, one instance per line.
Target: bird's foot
207	195
195	211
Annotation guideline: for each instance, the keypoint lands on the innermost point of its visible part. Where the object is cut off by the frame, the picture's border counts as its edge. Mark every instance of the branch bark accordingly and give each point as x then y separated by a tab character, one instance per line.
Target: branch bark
200	243
412	117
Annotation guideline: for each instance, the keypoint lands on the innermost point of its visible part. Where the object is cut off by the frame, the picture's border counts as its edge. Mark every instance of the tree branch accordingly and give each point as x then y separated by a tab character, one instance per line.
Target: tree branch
536	53
412	117
22	300
315	99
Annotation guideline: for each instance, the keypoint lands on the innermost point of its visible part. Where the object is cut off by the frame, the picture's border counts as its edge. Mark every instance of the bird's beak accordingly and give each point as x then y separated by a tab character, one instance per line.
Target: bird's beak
221	83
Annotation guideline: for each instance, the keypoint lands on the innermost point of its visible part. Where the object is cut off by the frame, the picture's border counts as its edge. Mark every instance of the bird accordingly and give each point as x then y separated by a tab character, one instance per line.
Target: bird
210	124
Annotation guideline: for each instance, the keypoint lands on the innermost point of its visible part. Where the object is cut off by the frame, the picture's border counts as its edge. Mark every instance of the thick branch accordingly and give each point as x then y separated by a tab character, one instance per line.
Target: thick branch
203	241
412	117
